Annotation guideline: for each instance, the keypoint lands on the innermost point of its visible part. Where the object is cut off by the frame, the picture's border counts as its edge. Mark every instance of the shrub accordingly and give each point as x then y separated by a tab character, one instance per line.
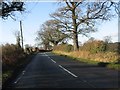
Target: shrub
113	47
11	54
12	58
94	46
64	47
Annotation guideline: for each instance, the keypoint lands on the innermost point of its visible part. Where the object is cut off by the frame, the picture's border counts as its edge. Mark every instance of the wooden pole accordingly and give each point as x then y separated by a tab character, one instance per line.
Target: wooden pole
21	33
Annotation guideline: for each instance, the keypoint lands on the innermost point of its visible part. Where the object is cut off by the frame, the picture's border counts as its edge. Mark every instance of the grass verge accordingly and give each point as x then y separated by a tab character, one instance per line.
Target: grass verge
111	65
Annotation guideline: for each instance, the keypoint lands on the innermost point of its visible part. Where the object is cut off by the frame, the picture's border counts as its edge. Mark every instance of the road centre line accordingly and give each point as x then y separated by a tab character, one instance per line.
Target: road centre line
70	72
67	71
62	67
53	61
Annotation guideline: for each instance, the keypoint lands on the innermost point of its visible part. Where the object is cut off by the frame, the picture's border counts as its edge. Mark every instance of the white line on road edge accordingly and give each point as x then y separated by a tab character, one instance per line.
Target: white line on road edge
18	79
67	71
23	72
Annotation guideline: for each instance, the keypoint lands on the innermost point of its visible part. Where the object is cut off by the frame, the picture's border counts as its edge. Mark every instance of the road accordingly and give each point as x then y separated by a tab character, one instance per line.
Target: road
47	70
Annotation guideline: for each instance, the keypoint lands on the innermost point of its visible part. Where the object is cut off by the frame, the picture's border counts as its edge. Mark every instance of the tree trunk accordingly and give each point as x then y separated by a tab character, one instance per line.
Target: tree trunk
75	41
45	47
75	34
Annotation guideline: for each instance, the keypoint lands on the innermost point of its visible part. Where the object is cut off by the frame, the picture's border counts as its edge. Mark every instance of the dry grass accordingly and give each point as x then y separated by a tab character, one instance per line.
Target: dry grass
100	57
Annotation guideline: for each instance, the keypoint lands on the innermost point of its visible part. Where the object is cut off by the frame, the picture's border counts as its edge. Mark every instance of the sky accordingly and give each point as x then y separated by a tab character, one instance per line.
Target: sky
36	14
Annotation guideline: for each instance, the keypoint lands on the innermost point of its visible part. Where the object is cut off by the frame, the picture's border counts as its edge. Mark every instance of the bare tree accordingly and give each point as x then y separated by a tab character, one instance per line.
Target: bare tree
8	7
80	17
50	33
117	8
107	39
42	40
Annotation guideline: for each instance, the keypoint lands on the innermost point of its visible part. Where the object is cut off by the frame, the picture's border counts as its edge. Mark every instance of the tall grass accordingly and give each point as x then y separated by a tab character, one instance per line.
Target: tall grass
12	56
92	51
109	57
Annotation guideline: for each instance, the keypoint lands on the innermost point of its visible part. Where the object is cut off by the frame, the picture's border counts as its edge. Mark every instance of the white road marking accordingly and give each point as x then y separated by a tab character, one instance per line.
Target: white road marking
50	58
23	72
67	71
18	79
88	83
53	61
61	66
45	54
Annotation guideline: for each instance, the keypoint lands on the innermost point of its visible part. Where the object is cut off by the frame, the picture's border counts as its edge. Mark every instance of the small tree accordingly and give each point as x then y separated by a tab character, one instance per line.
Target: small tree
117	8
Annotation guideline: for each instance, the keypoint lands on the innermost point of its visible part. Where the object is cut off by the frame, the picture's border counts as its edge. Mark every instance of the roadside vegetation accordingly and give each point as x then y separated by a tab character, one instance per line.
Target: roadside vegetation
68	21
15	59
12	57
93	52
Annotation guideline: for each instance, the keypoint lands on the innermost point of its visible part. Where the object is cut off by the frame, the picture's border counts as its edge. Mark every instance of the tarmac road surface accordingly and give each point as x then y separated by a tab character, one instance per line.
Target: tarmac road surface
47	70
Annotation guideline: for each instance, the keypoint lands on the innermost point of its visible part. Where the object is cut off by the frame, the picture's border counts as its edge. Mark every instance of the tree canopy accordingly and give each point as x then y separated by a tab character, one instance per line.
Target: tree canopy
81	17
9	7
50	33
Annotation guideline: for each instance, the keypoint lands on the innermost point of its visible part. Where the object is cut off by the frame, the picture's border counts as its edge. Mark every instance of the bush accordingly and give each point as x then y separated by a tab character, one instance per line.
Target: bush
64	47
12	57
113	47
11	54
94	46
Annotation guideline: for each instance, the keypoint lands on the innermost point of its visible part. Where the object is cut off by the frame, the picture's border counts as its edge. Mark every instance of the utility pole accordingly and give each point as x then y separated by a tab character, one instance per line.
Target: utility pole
21	33
118	12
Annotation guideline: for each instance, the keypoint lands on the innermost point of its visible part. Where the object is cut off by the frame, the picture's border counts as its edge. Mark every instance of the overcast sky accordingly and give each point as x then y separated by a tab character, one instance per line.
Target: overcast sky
36	14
